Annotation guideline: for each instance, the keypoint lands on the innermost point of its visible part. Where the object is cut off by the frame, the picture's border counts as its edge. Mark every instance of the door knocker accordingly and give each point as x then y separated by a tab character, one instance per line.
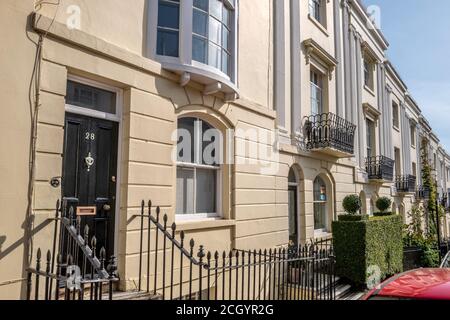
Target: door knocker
89	161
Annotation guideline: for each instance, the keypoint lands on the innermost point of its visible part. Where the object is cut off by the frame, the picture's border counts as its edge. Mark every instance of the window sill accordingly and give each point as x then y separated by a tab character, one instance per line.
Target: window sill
318	25
204	223
396	128
370	90
320	234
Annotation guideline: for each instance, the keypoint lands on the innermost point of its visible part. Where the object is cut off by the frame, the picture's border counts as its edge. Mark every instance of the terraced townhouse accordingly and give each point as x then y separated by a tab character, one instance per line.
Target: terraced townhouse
307	107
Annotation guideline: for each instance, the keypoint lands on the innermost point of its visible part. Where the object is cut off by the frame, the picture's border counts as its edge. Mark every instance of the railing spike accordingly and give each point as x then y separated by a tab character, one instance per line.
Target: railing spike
39	254
201	253
49	256
182	238
192	243
216	255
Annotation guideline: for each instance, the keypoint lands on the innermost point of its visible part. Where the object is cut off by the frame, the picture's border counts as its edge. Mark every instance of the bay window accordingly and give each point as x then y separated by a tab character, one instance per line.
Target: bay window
196	37
211	28
199	153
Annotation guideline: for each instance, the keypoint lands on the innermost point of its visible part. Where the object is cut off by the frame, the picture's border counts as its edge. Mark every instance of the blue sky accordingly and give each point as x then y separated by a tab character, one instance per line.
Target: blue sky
418	32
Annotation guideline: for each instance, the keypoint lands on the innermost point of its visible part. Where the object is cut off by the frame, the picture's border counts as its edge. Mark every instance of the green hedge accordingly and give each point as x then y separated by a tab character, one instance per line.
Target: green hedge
382	214
361	245
351	217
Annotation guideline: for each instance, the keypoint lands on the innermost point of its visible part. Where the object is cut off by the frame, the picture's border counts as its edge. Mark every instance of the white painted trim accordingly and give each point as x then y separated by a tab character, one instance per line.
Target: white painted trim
118	117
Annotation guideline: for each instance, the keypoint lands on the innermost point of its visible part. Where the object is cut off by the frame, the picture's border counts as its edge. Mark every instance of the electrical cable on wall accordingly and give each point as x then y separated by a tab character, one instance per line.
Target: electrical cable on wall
34	100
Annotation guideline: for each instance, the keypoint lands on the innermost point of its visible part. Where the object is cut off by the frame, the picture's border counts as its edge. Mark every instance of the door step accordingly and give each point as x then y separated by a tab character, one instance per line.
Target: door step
135	295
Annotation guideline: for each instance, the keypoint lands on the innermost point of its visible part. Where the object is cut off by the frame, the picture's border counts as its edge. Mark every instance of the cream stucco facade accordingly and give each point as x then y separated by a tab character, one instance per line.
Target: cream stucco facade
276	47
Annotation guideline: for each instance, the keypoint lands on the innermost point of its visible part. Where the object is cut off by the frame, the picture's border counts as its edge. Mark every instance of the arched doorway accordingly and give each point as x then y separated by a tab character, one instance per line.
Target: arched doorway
293	207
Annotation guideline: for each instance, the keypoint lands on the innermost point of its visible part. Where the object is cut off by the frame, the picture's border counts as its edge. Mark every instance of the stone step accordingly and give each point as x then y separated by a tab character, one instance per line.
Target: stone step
135	295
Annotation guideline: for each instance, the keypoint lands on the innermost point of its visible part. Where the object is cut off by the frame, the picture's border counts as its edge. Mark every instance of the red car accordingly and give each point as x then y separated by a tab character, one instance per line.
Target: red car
420	284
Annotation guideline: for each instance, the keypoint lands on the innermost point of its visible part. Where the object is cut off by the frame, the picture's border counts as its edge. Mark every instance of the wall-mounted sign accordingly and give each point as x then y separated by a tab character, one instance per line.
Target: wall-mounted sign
86	211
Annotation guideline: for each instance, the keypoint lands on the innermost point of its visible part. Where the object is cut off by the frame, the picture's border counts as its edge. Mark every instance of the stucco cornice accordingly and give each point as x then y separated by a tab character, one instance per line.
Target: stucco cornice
313	49
360	9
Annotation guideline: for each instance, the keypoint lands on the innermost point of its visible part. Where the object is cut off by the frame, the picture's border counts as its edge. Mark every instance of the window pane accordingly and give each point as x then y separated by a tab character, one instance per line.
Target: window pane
320	190
200	23
201	4
199	49
186	149
215	31
319	216
214	55
206	191
225	38
225	62
215	8
211	146
167	43
226	17
85	96
168	15
185	191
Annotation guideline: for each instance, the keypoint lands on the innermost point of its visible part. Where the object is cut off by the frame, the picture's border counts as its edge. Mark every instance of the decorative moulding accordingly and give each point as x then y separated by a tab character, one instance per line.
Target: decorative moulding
313	49
371	111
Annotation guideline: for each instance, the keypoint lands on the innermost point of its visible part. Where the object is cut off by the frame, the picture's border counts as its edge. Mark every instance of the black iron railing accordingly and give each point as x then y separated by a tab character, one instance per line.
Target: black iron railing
380	168
327	130
175	268
405	184
80	273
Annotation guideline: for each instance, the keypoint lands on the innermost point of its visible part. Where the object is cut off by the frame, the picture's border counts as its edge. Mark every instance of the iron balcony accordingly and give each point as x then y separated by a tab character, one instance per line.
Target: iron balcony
380	168
330	134
423	193
405	183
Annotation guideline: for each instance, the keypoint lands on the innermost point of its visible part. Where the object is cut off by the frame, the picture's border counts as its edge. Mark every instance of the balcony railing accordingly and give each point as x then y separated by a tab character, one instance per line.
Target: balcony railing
405	184
331	134
380	168
423	193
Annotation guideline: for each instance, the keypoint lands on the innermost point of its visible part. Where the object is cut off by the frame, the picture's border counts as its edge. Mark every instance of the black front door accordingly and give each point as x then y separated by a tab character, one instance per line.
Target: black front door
89	174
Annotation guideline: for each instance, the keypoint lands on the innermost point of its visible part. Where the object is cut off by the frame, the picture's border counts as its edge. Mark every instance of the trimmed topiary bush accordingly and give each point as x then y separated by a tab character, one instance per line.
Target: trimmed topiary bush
383	204
368	251
351	204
